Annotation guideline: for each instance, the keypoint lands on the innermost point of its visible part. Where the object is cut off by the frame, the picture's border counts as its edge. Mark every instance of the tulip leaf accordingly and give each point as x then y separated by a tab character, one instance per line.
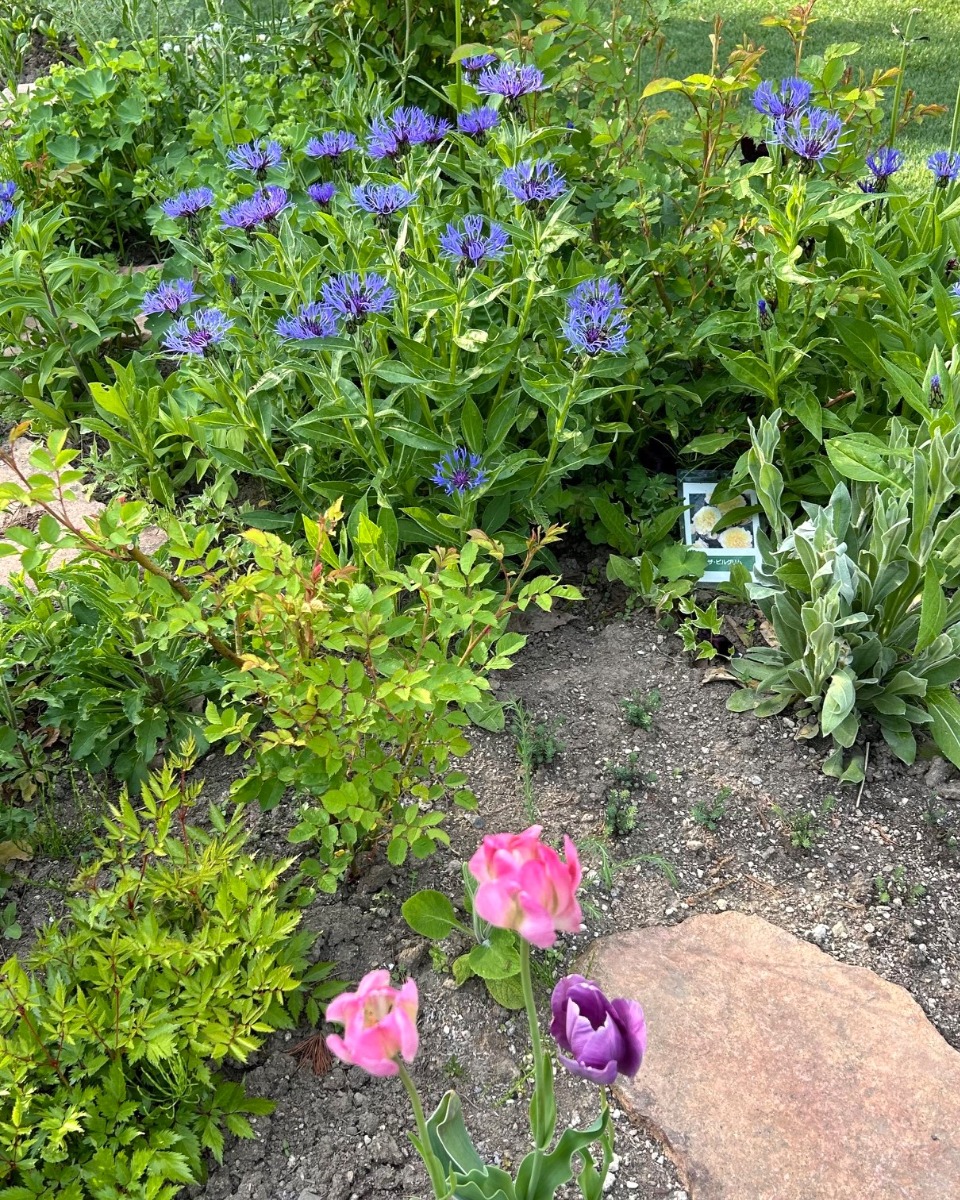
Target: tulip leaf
449	1138
556	1168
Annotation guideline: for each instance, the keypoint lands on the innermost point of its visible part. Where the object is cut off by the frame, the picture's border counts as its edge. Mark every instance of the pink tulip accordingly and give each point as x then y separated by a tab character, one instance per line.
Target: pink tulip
527	886
379	1024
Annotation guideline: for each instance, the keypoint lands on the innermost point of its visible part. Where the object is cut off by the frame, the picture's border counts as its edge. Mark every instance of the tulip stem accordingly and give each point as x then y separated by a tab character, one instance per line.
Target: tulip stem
541	1107
432	1163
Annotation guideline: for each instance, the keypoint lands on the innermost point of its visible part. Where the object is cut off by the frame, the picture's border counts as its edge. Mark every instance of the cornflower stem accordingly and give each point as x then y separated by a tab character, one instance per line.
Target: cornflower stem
898	89
455	329
430	1160
372	417
521	330
572	392
347	423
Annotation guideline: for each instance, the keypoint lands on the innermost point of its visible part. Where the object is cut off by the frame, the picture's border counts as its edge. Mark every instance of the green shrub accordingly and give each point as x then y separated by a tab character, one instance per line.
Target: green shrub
857	594
179	952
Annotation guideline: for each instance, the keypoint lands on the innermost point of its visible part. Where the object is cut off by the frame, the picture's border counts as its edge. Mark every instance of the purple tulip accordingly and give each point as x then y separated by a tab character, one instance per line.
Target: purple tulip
599	1038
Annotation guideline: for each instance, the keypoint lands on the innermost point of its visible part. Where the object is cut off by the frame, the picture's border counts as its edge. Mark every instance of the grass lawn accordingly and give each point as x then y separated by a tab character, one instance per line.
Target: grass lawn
933	66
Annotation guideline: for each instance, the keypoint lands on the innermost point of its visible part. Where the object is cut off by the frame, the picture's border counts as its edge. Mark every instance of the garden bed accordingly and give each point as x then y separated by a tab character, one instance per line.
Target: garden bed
343	1135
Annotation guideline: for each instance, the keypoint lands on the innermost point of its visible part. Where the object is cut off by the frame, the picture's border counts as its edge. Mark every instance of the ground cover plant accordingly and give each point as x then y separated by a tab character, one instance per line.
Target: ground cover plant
330	338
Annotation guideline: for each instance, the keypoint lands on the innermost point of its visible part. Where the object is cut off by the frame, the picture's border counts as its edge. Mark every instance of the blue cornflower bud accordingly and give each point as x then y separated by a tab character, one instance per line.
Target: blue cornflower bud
936	391
312	321
467	245
477	62
257	157
534	183
8	189
459	471
197	334
510	80
792	97
811	135
188	204
169	297
391	137
352	298
477	122
382	199
945	167
332	145
259	209
321	194
596	322
764	315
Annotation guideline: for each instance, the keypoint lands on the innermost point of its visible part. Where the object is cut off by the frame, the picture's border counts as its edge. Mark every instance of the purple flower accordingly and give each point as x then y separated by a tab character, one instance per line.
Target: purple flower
511	81
459	471
595	322
764	315
8	189
321	194
534	183
477	62
599	1039
353	299
437	130
945	167
382	199
260	209
477	122
884	162
936	391
780	105
811	135
332	145
312	321
257	157
169	297
197	334
468	247
955	293
189	203
391	137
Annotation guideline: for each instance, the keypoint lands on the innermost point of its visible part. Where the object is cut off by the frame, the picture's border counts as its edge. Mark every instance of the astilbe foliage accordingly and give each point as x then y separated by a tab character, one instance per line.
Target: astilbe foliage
178	952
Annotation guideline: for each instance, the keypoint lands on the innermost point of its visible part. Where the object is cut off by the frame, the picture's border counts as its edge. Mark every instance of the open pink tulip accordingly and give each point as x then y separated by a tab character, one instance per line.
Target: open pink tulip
527	886
379	1024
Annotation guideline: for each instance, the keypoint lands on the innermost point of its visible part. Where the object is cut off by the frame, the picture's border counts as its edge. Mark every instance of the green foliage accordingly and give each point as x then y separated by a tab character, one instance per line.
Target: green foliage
696	621
709	813
620	816
857	594
180	951
640	710
803	826
896	886
629	774
662	576
495	957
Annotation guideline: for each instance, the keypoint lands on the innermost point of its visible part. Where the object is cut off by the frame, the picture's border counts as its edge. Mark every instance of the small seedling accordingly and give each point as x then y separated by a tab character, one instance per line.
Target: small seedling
629	774
620	819
710	813
945	828
639	710
453	1068
897	887
438	959
537	746
803	825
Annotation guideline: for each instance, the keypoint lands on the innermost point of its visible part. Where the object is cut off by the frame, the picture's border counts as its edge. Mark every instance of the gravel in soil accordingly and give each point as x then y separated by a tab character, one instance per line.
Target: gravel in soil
878	888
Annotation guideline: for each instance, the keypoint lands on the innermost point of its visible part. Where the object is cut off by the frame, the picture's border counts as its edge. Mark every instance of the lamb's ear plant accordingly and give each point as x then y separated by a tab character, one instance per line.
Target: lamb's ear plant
861	594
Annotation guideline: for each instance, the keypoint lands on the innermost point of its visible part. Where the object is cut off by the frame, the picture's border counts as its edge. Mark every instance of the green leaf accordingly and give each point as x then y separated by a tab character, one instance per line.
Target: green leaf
431	914
508	992
556	1168
933	609
866	459
839	701
944	708
710	443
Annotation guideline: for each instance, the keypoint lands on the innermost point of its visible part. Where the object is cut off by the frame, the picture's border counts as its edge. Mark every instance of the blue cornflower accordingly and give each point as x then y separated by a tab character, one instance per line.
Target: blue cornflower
169	297
353	299
955	293
459	471
437	130
596	322
332	145
188	203
382	199
780	105
257	157
477	122
764	315
312	321
476	62
811	135
8	189
391	137
321	194
197	334
945	167
534	183
259	209
467	245
936	391
511	81
884	162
